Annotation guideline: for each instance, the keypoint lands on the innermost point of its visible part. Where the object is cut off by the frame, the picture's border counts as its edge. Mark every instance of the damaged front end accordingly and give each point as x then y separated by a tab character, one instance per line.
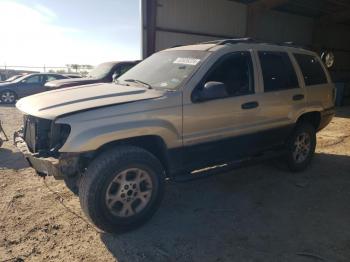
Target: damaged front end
40	140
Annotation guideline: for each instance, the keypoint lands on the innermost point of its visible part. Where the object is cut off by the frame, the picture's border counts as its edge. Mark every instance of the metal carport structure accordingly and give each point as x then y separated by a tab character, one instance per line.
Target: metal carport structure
317	24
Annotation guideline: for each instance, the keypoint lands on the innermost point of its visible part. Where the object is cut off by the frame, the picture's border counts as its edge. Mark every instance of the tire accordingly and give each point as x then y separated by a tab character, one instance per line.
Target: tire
301	147
111	177
1	142
8	97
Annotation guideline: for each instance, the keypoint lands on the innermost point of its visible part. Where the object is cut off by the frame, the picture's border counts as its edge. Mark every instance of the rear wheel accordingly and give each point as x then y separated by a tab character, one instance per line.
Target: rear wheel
8	97
122	188
301	146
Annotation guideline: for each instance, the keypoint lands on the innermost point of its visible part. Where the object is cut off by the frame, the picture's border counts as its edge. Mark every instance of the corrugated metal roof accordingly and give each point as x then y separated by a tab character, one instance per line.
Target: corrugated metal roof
311	8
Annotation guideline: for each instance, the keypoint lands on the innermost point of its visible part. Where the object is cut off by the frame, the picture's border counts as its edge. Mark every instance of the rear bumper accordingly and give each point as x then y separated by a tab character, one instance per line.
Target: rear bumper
47	166
326	117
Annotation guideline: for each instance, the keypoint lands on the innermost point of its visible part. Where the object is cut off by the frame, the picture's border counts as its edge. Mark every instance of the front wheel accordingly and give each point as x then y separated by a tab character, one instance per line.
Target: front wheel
301	147
122	188
8	97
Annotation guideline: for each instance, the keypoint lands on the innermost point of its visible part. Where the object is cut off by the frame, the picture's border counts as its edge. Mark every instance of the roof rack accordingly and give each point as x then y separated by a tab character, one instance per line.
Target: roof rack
251	41
232	41
292	44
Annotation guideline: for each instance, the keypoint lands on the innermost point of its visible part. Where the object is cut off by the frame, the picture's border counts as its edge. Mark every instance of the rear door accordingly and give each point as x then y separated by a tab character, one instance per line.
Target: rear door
283	97
317	83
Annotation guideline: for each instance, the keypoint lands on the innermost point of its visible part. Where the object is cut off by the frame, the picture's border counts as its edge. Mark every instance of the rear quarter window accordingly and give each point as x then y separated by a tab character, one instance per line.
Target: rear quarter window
311	69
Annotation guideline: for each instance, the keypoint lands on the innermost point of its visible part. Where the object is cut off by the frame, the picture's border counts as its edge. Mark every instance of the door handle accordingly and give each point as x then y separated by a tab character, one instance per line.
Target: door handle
250	105
298	97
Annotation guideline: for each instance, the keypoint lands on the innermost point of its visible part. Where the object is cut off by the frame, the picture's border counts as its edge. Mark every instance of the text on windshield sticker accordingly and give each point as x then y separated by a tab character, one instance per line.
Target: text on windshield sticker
187	61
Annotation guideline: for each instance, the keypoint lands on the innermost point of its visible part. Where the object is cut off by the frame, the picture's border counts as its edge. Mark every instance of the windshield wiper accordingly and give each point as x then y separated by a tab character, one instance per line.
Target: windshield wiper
139	82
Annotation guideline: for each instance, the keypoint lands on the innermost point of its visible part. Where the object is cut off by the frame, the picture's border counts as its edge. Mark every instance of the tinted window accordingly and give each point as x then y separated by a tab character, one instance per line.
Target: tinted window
53	77
278	71
121	70
236	72
312	70
33	80
125	68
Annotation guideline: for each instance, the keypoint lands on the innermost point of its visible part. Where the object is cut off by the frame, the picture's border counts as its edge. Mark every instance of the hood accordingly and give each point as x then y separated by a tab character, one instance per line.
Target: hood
6	84
70	82
52	104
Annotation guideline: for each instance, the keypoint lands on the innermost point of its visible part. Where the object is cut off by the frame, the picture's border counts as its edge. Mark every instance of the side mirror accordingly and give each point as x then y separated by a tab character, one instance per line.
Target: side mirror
211	90
115	76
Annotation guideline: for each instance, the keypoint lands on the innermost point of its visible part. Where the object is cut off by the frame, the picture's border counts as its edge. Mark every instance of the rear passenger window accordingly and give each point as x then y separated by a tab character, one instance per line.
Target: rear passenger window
52	78
278	71
312	70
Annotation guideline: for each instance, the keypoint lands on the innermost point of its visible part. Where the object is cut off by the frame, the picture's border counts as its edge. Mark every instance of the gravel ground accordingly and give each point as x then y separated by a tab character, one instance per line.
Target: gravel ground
259	213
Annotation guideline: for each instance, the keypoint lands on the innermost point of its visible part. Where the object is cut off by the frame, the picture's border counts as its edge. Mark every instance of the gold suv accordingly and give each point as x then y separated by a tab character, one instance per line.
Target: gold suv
183	111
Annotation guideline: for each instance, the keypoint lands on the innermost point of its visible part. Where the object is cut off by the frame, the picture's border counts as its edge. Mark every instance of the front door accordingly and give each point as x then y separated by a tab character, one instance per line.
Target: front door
220	130
32	85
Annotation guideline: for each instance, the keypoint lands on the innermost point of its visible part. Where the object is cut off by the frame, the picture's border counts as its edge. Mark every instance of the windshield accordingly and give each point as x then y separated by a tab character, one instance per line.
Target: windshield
13	78
17	80
101	70
165	70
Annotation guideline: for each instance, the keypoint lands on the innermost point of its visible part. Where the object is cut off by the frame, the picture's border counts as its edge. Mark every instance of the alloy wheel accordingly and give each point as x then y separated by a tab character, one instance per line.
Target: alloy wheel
302	147
8	97
129	192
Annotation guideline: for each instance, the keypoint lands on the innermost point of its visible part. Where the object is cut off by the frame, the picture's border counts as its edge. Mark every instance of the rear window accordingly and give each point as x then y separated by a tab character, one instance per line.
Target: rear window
278	71
312	70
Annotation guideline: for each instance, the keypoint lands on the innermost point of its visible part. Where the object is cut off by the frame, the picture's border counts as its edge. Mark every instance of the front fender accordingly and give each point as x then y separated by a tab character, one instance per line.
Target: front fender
90	139
92	129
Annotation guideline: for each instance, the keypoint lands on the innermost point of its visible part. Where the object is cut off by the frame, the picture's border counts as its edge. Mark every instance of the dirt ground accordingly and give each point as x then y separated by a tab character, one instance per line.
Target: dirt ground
259	213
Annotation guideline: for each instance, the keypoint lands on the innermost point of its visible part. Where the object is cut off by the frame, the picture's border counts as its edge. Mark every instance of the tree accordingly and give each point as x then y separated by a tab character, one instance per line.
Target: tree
78	67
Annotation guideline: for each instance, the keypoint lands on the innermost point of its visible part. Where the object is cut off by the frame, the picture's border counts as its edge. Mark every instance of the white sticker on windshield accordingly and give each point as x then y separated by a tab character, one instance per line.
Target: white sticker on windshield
187	61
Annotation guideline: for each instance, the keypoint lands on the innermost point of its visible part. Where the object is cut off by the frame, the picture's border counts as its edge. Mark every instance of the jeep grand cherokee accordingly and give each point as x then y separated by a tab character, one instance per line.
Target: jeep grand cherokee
182	111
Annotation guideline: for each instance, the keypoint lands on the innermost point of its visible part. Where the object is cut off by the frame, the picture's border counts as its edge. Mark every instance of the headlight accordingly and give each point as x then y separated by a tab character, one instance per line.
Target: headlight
59	135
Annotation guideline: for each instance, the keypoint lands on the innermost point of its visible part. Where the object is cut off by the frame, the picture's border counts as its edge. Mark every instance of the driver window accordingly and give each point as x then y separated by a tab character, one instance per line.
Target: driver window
236	72
33	80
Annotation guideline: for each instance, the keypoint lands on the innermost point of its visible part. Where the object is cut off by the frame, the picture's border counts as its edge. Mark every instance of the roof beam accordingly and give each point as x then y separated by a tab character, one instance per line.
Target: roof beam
151	14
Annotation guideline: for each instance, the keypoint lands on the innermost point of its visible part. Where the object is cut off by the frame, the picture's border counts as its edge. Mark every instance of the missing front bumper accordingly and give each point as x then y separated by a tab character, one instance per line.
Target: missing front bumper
66	164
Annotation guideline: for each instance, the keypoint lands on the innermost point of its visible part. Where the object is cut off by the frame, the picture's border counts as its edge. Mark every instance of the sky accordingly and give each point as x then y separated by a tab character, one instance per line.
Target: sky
60	32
